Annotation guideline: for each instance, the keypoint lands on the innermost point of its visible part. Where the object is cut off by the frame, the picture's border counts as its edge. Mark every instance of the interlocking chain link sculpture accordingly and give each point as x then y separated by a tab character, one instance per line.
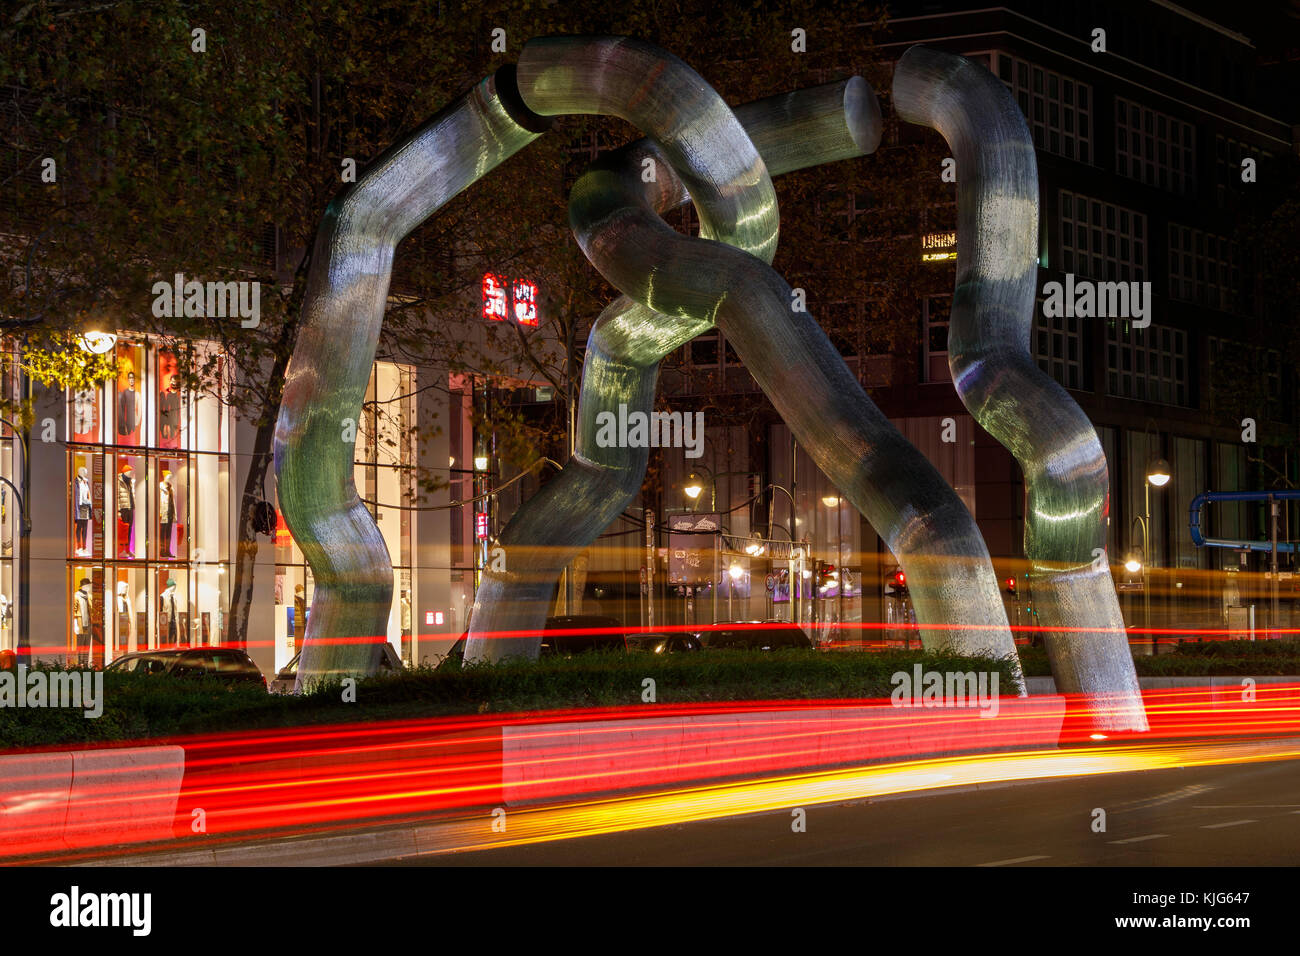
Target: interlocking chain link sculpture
676	287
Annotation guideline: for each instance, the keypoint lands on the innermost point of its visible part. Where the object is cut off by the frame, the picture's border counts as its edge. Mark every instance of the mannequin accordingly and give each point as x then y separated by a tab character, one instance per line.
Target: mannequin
81	510
128	407
126	512
81	619
123	615
168	622
166	514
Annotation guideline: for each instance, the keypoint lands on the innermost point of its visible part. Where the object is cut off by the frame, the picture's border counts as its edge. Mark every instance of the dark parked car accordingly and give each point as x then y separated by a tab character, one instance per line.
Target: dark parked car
573	634
756	635
284	681
583	633
225	664
665	643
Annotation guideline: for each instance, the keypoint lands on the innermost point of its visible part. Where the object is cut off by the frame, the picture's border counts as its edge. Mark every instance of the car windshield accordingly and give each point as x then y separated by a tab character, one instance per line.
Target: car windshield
144	664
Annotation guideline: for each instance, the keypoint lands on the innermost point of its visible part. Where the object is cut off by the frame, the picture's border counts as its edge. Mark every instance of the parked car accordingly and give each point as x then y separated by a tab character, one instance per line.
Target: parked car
582	634
225	664
665	643
756	635
571	634
288	675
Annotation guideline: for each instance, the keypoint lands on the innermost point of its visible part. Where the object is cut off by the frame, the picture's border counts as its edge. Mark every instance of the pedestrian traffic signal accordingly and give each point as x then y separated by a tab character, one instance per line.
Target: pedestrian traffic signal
1011	586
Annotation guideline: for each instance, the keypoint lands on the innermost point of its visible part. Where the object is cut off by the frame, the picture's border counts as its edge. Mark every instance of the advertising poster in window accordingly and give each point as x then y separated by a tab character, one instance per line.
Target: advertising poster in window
86	415
129	404
169	401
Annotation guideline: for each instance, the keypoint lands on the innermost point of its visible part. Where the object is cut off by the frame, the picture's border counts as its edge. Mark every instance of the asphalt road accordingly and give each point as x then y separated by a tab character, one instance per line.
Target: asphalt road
1232	815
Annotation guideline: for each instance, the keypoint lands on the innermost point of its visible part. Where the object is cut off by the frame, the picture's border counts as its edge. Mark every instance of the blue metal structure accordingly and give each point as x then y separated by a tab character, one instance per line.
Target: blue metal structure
1209	497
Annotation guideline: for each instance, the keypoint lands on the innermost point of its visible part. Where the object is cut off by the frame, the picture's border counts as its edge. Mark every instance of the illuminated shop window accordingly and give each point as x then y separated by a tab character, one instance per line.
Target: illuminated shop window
148	491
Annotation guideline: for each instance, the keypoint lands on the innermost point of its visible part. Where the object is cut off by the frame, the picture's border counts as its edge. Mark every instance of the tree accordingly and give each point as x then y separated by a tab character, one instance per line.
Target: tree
219	164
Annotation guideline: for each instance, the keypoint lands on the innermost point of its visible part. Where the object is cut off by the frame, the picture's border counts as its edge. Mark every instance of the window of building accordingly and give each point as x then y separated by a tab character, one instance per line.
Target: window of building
1154	148
1146	364
1057	108
148	505
935	312
1203	268
1228	154
1058	347
1102	241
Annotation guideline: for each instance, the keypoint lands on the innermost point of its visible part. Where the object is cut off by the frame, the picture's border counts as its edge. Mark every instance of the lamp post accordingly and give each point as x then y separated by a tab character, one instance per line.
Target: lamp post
836	502
1157	475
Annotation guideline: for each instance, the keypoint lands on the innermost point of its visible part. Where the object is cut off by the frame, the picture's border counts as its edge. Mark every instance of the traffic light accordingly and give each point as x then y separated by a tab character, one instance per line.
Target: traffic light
1011	586
898	582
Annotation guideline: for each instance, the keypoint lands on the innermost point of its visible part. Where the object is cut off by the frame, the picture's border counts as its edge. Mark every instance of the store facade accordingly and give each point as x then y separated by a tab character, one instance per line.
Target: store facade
134	500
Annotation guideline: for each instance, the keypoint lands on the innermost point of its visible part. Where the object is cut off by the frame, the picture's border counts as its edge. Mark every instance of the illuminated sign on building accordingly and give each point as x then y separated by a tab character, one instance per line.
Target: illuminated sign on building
497	299
481	526
525	302
938	246
494	298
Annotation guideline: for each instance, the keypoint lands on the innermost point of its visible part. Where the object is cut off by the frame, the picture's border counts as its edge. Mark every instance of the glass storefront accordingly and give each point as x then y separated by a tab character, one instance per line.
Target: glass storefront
148	498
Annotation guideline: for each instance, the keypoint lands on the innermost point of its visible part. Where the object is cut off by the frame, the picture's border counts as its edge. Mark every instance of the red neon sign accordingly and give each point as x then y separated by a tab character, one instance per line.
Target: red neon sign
525	302
499	304
494	298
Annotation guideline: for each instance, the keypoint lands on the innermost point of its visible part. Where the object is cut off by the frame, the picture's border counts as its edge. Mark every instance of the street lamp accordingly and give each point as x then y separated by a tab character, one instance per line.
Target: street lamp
1157	475
694	486
96	342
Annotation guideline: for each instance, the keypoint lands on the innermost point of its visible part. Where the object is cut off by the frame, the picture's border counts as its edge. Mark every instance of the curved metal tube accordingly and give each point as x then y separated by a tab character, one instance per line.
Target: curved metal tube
697	143
1000	383
799	129
615	219
343	312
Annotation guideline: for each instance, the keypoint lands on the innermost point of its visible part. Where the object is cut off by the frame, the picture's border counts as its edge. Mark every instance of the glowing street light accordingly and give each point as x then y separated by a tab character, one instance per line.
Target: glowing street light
694	486
1158	473
96	342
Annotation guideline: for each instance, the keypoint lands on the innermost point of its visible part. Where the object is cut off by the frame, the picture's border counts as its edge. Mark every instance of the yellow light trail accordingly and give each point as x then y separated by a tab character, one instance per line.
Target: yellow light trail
694	804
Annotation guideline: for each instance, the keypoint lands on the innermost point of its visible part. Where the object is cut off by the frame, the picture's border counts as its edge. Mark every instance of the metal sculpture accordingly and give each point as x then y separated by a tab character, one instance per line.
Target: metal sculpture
676	287
325	382
1000	383
683	286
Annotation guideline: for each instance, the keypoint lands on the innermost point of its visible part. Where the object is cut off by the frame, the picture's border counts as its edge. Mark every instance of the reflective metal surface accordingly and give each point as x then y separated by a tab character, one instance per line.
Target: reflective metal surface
343	312
693	283
999	381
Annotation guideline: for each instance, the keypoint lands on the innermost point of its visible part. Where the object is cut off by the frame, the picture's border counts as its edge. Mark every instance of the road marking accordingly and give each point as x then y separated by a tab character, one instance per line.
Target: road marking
1019	859
1149	836
1233	823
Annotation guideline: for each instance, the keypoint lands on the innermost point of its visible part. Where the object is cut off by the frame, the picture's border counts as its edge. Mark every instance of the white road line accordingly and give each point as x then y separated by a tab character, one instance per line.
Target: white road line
1149	836
1232	823
1019	859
